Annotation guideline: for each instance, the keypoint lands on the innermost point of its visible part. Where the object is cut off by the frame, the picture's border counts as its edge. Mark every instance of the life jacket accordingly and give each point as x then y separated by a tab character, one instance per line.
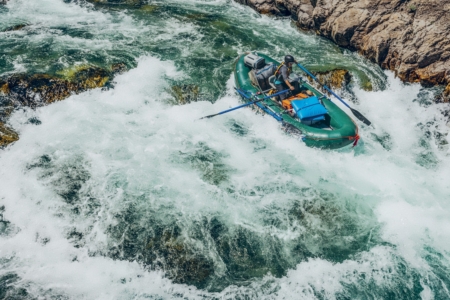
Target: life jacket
278	73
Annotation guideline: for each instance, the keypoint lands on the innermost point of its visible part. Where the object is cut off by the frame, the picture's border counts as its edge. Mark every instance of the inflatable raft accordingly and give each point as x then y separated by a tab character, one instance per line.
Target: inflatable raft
309	113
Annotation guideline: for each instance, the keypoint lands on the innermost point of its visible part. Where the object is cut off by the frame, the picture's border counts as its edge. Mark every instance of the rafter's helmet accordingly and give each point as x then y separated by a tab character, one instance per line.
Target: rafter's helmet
289	59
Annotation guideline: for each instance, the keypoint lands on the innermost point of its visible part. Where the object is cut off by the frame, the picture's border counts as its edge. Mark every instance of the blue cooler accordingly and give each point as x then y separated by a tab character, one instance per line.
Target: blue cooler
309	110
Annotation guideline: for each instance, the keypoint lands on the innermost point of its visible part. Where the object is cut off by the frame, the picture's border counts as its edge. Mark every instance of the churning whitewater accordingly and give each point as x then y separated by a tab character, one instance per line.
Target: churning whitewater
121	193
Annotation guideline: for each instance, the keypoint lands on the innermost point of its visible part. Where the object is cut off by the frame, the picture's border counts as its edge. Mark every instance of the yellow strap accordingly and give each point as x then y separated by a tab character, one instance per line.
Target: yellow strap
278	69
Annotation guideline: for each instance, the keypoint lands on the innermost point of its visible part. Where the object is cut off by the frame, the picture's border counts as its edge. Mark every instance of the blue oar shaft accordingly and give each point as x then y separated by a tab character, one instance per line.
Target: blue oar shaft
243	94
250	103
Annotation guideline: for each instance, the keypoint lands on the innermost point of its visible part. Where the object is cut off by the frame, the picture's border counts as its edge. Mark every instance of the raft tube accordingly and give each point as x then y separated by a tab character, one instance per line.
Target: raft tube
340	129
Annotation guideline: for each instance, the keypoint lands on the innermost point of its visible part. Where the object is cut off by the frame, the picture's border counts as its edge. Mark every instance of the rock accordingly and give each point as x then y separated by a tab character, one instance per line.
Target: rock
262	6
367	86
137	3
119	68
185	93
407	37
149	8
181	263
7	135
4	88
304	14
41	89
159	246
445	95
15	27
335	79
89	77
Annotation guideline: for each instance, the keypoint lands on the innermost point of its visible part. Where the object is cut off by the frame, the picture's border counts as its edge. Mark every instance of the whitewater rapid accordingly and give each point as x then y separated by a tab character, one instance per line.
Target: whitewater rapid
119	194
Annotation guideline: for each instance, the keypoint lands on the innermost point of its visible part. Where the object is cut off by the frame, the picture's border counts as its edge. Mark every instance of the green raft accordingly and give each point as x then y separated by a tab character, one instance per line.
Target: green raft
337	130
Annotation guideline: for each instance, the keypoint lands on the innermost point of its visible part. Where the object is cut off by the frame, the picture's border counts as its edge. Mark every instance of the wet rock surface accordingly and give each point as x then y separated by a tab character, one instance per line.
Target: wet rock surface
41	89
24	90
137	3
446	94
15	27
185	93
7	135
407	37
336	79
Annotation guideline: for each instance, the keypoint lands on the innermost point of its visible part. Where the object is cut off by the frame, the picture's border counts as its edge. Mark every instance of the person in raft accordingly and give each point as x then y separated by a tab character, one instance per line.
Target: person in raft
282	81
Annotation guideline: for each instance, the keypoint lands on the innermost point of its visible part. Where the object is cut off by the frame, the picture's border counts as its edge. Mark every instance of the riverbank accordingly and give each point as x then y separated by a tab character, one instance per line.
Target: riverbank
407	37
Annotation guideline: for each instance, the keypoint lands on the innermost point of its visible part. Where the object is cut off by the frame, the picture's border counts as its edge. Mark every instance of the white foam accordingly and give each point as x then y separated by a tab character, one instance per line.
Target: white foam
130	131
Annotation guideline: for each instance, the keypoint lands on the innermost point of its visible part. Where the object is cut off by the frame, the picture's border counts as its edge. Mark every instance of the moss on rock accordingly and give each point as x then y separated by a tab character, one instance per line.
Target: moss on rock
447	93
41	89
137	3
7	135
15	27
338	78
4	88
185	93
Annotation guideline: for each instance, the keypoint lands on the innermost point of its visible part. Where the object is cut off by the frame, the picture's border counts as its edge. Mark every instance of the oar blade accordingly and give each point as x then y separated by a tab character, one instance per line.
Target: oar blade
208	117
360	117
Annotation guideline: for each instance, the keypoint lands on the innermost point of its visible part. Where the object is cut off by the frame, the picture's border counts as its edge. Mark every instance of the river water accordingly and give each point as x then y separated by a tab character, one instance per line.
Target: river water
121	193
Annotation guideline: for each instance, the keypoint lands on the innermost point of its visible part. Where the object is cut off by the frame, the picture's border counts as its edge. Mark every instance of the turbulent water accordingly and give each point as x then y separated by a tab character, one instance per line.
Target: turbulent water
122	193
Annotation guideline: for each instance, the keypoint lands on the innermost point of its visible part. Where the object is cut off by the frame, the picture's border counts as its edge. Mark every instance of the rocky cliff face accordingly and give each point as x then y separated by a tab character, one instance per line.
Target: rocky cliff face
409	37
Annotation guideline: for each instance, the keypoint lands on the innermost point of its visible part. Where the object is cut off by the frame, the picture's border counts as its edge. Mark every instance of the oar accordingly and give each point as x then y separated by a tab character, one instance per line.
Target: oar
246	104
354	111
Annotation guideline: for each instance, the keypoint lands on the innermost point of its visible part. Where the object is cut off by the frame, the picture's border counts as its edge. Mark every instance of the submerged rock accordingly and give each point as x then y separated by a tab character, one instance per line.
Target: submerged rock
15	27
119	2
7	135
149	8
185	93
119	68
160	247
167	250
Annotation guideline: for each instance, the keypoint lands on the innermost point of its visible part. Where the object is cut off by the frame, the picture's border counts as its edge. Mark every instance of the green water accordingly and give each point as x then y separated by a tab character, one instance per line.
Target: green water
203	40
